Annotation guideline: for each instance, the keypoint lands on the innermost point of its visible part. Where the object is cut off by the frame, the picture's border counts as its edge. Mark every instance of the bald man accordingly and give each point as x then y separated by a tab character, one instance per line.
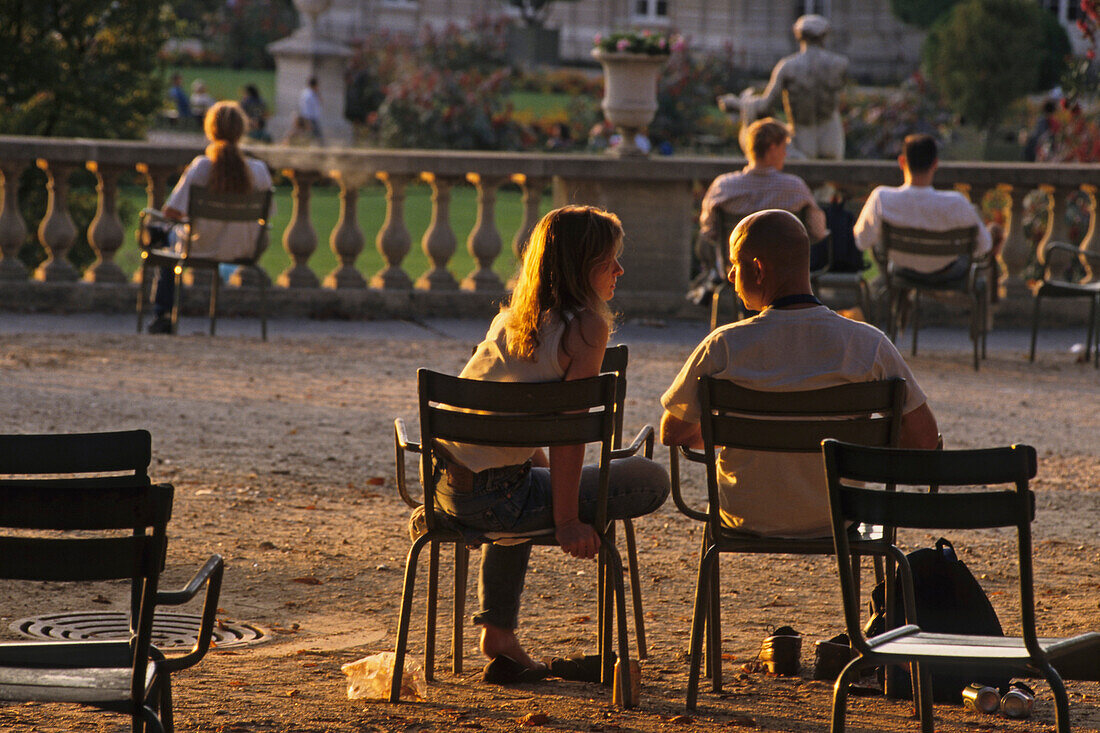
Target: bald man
794	344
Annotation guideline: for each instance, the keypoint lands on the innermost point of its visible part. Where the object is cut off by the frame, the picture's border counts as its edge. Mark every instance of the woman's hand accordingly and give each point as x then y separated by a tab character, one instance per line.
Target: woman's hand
577	539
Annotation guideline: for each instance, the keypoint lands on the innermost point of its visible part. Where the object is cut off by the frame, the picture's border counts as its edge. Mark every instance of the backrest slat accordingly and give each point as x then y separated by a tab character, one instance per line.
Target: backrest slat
953	242
516	430
57	505
86	559
798	435
511	397
843	399
129	450
944	468
969	510
249	206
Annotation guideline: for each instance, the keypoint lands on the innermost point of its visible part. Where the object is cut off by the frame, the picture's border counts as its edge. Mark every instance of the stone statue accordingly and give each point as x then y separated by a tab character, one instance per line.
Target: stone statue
809	82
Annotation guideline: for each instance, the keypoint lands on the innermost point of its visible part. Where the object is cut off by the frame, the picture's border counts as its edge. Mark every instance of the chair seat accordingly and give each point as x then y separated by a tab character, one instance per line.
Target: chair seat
71	684
961	285
172	255
911	642
837	279
1061	288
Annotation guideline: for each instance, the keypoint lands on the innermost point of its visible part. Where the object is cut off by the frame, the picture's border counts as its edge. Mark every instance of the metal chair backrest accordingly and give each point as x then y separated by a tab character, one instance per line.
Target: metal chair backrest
732	416
515	414
51	485
253	206
1008	507
615	359
959	242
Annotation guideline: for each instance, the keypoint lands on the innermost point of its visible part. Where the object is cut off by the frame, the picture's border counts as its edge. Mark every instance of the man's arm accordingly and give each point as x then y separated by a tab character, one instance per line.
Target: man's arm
814	218
919	429
675	431
868	227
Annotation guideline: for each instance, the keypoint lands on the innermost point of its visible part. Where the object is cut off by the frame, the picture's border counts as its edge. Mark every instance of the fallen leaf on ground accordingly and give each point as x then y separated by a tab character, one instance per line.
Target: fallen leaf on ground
307	580
532	719
376	481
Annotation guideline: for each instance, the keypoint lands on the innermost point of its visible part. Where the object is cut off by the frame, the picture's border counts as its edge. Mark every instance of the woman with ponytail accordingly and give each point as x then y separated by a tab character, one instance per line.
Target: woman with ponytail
555	327
221	169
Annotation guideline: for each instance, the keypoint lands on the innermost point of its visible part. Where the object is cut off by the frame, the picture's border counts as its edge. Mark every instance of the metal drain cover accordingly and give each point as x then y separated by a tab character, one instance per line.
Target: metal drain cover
170	630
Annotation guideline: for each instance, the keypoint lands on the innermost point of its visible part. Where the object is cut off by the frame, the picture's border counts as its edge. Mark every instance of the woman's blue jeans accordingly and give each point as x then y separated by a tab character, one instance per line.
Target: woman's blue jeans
519	499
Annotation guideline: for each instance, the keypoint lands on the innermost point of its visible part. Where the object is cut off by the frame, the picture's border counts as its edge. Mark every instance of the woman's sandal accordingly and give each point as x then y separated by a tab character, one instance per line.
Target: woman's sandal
503	670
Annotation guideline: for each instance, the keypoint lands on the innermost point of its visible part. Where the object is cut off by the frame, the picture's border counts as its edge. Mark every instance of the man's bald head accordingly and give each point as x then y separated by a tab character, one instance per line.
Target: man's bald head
773	236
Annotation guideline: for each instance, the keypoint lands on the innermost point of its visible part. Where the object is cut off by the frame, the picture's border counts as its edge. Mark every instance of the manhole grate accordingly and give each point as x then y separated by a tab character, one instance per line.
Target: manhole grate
170	630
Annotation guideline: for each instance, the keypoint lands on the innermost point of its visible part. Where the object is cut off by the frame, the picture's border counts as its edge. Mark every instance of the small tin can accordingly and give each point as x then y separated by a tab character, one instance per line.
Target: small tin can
981	698
1017	701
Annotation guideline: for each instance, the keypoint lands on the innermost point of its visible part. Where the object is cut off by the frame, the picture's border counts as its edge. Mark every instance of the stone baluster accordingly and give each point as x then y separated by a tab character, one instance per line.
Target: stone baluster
105	233
532	197
156	182
439	241
57	232
1091	240
1016	254
13	230
300	239
346	239
1057	226
393	241
484	243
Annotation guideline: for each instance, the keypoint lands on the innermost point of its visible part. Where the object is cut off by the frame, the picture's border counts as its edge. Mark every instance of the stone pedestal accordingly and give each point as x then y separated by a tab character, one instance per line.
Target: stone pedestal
298	58
656	217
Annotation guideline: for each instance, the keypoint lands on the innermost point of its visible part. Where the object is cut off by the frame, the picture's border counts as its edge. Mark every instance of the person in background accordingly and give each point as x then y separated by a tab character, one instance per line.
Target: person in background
221	168
179	98
255	109
309	110
200	100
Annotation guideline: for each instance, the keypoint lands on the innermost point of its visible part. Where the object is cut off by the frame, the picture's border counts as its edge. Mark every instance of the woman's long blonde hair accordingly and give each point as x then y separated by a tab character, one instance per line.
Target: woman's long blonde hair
224	125
561	253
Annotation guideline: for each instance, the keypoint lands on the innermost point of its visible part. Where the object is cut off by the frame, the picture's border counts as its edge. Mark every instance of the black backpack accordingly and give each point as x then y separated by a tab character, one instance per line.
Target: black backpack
949	600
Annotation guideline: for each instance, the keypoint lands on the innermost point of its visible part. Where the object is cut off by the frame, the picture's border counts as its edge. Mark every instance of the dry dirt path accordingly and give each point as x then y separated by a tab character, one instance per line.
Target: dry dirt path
281	454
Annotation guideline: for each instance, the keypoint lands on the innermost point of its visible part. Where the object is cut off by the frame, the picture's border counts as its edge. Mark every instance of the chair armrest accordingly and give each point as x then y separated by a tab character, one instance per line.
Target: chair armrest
148	213
644	436
401	444
209	575
674	452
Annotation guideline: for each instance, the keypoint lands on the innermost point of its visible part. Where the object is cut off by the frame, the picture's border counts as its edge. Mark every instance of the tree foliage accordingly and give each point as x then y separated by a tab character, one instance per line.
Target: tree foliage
921	13
984	55
79	67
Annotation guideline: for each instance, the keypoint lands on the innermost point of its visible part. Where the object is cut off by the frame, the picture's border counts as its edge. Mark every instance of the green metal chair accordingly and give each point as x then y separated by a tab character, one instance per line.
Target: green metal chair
1011	507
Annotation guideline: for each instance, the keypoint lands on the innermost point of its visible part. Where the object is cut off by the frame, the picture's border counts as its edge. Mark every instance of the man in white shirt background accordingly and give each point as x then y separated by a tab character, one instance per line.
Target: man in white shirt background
915	204
309	110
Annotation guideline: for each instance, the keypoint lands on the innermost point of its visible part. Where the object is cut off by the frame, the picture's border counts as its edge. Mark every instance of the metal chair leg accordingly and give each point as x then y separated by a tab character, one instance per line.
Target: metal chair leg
698	621
715	300
635	587
1034	326
263	303
462	573
430	615
215	281
143	293
714	624
405	617
616	566
1061	700
178	298
916	319
840	694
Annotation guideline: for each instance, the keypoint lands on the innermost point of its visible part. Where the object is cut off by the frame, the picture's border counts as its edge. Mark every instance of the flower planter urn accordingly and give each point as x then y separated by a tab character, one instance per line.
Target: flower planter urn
630	93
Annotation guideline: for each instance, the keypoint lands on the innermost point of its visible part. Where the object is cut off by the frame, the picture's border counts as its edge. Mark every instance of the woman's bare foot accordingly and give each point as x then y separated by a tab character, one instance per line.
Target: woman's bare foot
496	641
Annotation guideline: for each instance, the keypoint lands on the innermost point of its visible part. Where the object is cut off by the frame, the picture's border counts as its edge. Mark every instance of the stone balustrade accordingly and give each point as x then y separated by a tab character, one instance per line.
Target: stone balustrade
656	198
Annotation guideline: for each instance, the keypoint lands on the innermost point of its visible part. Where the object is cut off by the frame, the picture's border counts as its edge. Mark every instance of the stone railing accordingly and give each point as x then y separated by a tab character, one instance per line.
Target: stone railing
656	199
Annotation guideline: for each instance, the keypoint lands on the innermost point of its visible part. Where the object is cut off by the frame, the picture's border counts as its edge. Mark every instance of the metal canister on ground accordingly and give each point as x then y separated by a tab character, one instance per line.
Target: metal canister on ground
1018	701
634	693
981	698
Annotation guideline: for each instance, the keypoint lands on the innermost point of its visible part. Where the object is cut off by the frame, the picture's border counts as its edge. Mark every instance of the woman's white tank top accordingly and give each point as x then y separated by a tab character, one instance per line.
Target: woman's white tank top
492	362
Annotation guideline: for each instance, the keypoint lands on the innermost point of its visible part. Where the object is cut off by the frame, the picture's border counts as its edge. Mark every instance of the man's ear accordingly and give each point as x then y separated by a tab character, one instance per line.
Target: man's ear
902	162
759	269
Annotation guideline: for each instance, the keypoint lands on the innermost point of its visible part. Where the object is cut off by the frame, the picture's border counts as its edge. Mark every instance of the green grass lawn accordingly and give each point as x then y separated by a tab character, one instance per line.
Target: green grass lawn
540	104
226	83
371	210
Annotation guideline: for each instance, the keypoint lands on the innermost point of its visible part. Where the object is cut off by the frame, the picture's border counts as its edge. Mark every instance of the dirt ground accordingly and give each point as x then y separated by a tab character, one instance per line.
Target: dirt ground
281	455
